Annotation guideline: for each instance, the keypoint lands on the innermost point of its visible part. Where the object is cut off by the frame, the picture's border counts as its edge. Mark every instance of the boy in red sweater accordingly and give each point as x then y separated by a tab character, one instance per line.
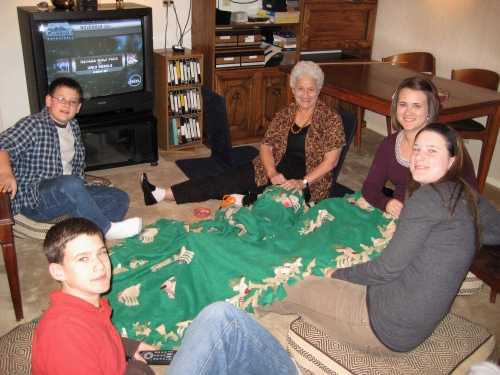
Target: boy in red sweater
75	334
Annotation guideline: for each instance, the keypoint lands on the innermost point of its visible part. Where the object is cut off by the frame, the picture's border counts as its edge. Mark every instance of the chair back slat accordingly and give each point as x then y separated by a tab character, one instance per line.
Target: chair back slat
423	62
487	79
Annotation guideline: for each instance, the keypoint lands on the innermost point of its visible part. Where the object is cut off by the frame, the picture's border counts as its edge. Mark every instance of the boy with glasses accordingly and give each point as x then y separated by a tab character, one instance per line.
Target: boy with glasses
42	161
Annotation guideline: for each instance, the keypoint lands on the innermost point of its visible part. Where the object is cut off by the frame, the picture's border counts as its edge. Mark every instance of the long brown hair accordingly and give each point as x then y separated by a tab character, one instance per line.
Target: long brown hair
462	191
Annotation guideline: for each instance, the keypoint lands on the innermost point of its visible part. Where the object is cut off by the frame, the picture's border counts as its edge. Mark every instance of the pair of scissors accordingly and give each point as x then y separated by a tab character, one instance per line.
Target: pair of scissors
227	200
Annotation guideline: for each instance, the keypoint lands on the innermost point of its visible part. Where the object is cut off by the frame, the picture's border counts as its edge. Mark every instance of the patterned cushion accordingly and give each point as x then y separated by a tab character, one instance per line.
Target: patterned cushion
36	230
451	349
471	285
33	230
15	350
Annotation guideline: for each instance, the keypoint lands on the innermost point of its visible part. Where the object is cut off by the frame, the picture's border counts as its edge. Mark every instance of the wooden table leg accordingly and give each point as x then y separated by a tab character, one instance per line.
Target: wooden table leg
357	138
487	150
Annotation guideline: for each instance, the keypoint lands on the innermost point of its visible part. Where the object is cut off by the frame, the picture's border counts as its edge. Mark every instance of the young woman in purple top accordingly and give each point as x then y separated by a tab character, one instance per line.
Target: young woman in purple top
414	105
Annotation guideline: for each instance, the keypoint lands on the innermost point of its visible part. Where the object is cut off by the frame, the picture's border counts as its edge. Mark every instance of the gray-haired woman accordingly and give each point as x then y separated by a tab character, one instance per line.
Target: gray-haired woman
299	151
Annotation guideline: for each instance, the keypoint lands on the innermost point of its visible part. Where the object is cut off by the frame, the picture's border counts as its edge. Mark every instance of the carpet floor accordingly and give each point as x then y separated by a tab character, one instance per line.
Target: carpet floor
36	283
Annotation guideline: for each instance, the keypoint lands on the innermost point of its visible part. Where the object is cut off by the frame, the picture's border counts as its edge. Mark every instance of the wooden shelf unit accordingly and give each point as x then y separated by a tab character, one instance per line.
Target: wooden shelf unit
166	91
254	94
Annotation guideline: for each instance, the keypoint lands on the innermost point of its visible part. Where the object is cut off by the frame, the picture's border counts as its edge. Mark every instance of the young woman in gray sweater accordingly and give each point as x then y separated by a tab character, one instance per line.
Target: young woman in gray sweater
394	302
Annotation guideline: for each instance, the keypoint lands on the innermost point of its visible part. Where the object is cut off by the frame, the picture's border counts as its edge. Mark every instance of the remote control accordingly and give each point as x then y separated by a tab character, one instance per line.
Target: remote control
158	357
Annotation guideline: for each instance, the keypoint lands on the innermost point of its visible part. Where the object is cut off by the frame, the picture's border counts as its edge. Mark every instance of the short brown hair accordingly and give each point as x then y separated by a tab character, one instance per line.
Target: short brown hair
67	230
70	83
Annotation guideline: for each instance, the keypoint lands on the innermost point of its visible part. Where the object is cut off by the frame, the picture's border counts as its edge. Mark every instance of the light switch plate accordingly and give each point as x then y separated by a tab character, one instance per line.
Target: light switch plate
226	3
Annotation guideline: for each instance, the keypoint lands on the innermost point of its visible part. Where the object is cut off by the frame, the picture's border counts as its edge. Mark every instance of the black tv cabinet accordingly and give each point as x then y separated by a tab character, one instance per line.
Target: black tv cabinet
120	141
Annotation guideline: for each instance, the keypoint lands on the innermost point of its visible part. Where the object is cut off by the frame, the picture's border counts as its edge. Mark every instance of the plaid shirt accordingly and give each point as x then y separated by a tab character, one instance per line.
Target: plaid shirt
35	155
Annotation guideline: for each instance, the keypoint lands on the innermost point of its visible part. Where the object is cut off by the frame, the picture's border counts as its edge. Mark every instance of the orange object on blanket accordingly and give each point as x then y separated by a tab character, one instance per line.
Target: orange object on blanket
227	200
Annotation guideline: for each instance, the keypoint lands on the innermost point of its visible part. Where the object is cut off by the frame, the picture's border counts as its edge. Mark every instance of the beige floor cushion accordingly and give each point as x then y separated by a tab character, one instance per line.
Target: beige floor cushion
471	285
451	349
15	350
36	230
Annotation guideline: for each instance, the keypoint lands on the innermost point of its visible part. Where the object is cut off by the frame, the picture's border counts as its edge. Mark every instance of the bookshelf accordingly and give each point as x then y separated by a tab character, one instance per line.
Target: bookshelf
178	105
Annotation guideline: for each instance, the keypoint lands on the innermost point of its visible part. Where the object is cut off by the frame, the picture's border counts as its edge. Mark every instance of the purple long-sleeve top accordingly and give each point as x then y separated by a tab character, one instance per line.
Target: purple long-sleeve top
389	165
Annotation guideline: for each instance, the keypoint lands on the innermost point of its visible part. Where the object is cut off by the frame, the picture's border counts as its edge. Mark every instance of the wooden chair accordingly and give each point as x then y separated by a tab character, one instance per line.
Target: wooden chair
9	254
423	62
486	266
471	129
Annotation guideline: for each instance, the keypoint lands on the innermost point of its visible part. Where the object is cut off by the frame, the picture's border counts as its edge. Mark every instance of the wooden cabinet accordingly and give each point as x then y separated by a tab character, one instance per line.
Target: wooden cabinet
178	104
338	25
252	98
254	94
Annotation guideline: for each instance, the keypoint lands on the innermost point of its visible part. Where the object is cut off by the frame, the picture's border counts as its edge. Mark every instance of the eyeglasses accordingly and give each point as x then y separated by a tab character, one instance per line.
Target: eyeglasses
63	101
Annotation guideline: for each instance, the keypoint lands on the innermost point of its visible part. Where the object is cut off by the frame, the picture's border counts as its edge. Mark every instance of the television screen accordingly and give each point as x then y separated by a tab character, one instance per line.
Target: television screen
105	57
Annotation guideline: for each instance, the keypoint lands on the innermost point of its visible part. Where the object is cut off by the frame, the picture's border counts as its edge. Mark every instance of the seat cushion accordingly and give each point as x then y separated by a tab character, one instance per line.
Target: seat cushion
15	350
36	230
467	125
451	349
471	285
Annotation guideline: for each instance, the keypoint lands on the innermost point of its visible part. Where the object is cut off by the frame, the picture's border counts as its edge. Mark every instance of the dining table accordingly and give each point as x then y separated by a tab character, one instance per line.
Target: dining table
371	85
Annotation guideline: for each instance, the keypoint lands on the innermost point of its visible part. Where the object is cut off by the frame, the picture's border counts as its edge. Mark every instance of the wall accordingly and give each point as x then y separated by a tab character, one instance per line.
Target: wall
459	33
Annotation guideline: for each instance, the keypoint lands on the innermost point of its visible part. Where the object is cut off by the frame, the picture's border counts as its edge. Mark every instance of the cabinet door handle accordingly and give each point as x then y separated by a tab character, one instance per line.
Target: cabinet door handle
236	95
277	91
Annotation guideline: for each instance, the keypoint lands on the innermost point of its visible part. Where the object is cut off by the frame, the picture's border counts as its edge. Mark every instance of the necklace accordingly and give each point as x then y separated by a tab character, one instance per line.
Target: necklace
306	124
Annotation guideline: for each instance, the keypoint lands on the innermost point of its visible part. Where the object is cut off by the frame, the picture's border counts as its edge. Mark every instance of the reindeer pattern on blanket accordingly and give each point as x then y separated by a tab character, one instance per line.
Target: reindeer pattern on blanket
164	276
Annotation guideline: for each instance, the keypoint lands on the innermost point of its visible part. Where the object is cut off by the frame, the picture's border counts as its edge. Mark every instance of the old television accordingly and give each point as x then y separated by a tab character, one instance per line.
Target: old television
108	50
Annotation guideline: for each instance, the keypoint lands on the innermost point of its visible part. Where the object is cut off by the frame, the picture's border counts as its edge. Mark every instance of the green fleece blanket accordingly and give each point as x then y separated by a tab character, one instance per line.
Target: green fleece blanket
166	275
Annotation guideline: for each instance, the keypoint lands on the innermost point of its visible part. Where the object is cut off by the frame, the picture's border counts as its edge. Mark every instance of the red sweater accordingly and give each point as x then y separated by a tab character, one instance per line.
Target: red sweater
75	337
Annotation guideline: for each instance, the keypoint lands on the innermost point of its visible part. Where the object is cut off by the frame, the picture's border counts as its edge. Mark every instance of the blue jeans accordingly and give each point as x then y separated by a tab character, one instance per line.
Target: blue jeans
225	340
68	194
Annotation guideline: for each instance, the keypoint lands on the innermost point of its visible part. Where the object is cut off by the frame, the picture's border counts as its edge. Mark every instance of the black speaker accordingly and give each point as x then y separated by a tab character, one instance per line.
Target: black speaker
274	5
146	142
222	17
86	3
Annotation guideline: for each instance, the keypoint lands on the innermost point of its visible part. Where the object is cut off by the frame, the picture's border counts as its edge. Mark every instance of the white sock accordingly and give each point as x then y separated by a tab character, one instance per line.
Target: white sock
159	194
124	229
239	198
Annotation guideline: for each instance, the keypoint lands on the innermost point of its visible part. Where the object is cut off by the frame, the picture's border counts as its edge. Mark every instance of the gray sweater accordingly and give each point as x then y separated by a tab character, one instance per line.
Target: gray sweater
412	284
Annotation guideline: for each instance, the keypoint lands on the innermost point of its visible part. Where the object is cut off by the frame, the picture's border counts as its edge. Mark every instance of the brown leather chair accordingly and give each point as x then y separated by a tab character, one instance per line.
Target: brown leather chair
470	129
423	62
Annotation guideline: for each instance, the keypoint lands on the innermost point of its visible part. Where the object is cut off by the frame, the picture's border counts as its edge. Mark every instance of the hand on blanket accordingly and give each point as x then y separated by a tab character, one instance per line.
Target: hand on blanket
277	178
394	208
142	346
296	185
329	272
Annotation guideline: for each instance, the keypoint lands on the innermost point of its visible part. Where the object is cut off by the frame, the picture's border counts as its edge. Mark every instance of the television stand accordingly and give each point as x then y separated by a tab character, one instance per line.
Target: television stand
120	141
